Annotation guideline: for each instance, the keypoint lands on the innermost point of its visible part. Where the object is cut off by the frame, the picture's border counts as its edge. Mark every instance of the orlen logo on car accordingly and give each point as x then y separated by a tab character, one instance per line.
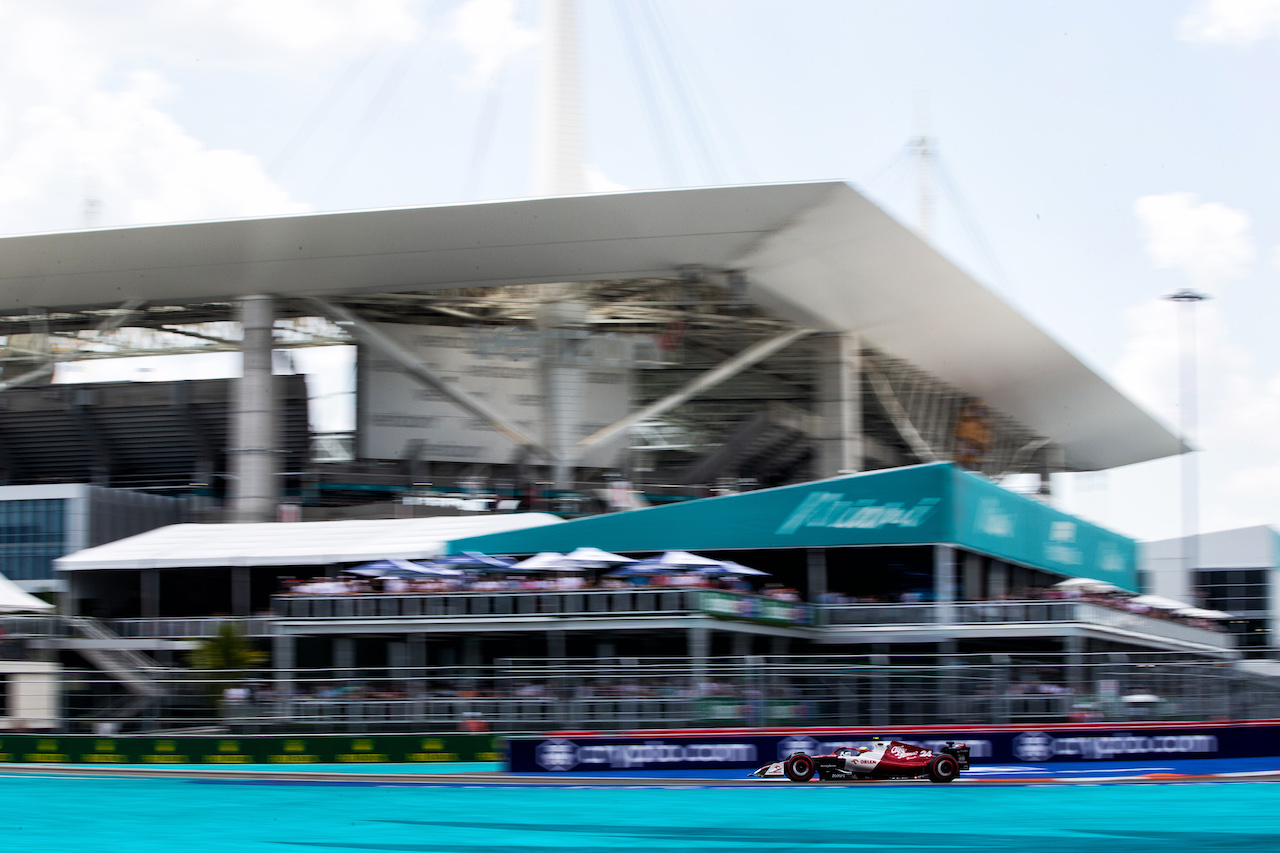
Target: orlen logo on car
904	753
557	754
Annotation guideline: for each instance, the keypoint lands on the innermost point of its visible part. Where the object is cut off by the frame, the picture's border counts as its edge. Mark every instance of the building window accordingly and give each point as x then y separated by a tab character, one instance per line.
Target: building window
32	536
1251	633
1238	591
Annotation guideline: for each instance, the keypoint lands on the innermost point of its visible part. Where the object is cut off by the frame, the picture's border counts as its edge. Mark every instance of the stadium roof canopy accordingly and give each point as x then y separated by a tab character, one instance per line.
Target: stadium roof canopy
820	254
304	543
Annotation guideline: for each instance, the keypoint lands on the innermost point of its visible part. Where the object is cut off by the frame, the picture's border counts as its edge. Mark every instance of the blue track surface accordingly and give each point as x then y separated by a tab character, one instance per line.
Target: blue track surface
49	814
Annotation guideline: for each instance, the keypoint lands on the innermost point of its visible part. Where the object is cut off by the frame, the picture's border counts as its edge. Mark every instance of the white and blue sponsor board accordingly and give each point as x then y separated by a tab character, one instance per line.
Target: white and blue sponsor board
727	751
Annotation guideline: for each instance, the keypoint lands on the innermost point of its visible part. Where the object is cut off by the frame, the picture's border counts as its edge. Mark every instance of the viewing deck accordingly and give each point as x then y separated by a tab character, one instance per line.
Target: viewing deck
824	623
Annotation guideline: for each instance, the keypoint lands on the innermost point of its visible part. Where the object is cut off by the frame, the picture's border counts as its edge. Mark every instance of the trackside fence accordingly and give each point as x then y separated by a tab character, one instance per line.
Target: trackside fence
536	695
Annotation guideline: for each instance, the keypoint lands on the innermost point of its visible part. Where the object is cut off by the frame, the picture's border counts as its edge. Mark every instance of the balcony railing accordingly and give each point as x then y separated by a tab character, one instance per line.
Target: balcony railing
579	603
1017	613
193	628
648	603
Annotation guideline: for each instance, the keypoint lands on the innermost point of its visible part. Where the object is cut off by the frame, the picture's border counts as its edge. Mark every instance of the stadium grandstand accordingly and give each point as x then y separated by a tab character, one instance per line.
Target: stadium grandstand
590	353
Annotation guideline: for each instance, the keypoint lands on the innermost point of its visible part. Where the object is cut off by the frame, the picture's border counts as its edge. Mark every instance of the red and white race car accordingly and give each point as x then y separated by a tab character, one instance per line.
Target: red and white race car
881	760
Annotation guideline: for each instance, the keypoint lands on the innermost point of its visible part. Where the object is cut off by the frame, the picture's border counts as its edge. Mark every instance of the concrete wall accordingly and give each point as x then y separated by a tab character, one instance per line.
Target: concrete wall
33	695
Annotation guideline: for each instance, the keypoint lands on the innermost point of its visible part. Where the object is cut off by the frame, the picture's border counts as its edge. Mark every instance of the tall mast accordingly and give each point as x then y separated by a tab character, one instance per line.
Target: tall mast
925	148
558	147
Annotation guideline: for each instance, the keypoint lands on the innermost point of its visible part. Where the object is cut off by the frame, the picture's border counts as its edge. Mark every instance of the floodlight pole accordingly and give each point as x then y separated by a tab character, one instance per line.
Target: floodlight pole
1188	299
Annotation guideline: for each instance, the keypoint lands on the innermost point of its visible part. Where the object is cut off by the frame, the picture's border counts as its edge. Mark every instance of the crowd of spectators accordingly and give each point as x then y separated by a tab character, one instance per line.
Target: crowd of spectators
1119	600
585	580
354	585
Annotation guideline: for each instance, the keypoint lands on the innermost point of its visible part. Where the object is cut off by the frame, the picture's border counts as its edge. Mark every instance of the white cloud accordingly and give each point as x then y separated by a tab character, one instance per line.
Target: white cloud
1238	408
1231	21
83	101
598	182
489	31
1208	241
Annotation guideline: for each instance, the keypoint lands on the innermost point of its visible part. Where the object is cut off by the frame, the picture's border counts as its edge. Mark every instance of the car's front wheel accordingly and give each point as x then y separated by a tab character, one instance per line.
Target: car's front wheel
943	768
799	767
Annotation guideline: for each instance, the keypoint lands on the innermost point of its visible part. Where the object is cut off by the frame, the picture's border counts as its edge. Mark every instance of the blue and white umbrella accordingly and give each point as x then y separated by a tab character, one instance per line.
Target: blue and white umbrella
474	561
395	567
729	567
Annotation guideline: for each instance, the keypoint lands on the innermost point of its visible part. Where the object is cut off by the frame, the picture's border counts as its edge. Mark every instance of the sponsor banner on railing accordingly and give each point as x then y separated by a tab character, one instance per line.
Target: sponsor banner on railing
256	749
725	751
755	609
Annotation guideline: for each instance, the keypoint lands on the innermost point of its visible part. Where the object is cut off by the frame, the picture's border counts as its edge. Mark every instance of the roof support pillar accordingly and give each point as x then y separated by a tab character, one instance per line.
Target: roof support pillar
817	579
563	382
148	593
283	658
839	443
253	486
699	650
944	584
1053	461
241	591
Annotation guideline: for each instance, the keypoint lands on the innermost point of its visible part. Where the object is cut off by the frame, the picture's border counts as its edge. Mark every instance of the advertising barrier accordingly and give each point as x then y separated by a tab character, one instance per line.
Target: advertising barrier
747	750
327	749
752	608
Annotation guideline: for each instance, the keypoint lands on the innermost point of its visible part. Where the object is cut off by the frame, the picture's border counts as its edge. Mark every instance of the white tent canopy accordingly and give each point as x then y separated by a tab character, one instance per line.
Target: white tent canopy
303	543
588	556
1159	602
1087	585
1203	613
544	561
13	599
684	559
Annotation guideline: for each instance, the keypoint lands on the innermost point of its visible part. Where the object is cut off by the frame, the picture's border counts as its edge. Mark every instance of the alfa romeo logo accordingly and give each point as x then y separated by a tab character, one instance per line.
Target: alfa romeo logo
1033	746
556	755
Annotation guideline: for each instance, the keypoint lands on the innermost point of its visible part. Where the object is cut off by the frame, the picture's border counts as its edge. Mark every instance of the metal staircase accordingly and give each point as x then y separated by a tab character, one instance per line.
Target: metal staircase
137	673
765	447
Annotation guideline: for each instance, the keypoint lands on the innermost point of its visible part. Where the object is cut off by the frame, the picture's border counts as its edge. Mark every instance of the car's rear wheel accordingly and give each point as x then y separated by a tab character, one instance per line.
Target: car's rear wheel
799	767
943	768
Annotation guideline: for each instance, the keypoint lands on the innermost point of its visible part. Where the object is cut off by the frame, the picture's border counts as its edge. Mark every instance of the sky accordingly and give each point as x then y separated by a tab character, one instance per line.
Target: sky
1094	157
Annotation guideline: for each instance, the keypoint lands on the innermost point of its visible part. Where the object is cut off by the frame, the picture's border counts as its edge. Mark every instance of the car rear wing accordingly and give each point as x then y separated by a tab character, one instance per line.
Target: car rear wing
958	751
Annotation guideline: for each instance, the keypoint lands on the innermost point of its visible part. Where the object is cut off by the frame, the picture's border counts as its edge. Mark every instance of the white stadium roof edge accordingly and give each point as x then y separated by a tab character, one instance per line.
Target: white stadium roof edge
818	253
302	543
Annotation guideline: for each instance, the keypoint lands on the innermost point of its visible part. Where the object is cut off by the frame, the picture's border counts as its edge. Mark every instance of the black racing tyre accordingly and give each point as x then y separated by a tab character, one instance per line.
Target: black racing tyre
943	768
799	767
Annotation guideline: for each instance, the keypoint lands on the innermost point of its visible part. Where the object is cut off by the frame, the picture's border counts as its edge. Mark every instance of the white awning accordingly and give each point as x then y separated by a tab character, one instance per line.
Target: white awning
304	543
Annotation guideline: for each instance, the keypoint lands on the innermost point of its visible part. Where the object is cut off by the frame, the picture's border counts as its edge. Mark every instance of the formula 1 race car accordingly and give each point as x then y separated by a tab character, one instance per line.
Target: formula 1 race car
882	760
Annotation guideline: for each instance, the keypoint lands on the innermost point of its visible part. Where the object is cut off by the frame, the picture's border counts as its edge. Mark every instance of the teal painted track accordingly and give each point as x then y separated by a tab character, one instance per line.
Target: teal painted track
49	814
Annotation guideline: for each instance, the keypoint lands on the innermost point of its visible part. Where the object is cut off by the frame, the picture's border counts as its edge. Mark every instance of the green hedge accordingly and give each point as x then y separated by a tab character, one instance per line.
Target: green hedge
324	749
